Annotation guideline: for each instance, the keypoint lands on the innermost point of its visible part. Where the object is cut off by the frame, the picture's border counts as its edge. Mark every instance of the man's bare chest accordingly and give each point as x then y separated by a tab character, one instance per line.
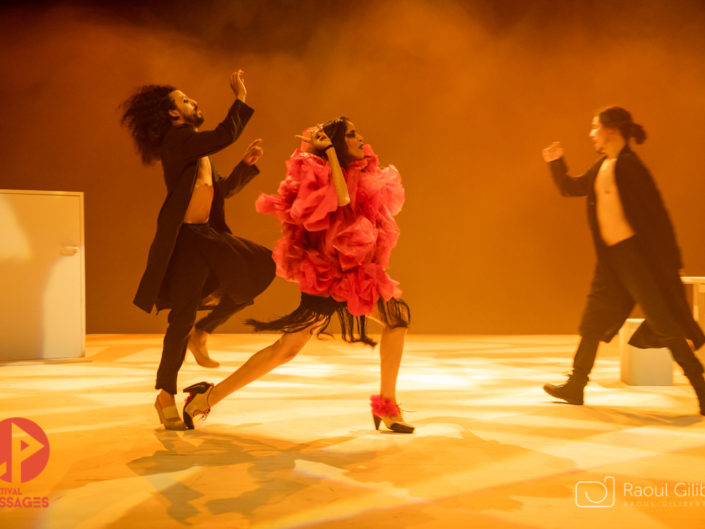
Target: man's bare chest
204	175
605	182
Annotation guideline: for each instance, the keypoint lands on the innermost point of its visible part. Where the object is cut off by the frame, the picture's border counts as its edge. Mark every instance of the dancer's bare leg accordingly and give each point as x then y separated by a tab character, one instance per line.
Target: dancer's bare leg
261	363
391	348
384	405
197	345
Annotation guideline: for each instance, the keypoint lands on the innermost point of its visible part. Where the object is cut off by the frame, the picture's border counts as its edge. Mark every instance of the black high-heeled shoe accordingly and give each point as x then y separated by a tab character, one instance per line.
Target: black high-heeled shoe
387	411
197	402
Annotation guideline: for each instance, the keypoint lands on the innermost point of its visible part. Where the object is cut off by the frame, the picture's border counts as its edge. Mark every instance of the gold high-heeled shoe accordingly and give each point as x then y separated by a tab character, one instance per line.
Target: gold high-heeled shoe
169	416
197	402
387	411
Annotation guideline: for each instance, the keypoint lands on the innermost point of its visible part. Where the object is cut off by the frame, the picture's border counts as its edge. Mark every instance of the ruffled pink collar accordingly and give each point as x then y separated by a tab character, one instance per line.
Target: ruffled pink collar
369	163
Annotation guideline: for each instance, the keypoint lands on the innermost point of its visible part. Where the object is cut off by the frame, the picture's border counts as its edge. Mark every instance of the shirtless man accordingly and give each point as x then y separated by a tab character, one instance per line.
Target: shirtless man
194	257
638	258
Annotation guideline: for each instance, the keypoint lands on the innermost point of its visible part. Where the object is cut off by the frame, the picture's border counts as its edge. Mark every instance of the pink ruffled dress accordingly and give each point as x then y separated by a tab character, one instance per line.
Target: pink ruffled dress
332	251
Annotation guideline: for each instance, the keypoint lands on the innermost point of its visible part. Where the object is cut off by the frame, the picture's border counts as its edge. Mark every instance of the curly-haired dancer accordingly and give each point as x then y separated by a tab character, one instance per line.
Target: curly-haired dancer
193	255
637	256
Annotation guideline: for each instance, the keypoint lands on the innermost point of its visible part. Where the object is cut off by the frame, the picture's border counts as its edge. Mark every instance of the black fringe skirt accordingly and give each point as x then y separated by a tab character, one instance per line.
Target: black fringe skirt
317	311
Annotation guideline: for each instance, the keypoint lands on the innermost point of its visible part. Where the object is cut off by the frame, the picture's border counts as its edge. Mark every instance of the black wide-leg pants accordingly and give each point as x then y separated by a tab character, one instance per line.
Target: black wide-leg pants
243	270
622	279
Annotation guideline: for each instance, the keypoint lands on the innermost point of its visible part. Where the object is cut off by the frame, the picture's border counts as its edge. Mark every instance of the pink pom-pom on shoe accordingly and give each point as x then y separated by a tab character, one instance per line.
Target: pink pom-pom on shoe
388	411
384	407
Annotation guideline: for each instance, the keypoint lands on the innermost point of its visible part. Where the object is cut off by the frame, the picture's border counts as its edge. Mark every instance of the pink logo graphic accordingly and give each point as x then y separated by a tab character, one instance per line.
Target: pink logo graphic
24	450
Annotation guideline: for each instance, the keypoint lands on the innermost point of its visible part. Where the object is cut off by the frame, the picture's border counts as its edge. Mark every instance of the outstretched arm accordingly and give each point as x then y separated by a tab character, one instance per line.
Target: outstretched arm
568	186
245	171
321	142
192	144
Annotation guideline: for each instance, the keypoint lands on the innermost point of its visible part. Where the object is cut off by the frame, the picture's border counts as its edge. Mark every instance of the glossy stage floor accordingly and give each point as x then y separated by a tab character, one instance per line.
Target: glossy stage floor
298	449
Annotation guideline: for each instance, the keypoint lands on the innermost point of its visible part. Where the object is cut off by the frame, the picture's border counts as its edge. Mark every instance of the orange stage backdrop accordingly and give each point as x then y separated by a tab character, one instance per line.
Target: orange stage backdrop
461	96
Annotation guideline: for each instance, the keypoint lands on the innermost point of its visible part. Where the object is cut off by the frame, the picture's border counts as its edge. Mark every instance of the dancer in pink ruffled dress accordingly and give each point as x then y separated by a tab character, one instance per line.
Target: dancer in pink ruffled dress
337	208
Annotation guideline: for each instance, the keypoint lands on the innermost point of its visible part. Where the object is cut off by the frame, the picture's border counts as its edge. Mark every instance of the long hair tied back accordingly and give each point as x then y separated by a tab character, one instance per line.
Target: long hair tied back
618	118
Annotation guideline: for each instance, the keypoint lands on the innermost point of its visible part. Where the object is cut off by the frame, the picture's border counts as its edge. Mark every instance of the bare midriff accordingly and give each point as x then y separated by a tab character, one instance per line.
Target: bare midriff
614	226
199	208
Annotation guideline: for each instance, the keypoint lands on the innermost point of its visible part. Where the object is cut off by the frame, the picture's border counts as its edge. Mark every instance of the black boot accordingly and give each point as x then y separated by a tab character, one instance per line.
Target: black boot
571	391
698	383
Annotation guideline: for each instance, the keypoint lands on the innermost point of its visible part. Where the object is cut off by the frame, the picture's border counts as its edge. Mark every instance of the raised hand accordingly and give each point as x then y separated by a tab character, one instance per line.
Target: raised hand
553	152
319	139
237	83
254	152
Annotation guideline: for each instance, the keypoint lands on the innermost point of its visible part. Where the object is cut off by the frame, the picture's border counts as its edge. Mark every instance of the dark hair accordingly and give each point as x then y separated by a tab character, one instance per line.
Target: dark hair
618	118
335	130
146	115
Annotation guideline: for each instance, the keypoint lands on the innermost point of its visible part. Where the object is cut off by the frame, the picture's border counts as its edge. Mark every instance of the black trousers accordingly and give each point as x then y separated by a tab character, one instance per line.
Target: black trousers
622	279
189	268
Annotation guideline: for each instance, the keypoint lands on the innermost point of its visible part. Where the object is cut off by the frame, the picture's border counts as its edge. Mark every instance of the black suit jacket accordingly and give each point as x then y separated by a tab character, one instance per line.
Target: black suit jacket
641	201
653	230
181	149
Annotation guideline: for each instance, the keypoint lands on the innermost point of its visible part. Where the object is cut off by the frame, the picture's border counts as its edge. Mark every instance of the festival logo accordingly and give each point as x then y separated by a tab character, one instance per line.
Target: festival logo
24	450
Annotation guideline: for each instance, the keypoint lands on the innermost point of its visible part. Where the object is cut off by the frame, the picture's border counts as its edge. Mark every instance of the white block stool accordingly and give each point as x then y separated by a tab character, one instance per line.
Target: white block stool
697	289
697	285
643	367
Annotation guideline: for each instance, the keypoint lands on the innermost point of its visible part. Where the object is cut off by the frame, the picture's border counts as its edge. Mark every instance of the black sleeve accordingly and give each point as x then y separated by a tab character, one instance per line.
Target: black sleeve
239	178
189	144
569	186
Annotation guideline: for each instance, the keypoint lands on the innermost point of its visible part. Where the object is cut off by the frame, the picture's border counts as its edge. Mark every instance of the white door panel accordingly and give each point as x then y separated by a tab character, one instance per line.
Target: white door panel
42	302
